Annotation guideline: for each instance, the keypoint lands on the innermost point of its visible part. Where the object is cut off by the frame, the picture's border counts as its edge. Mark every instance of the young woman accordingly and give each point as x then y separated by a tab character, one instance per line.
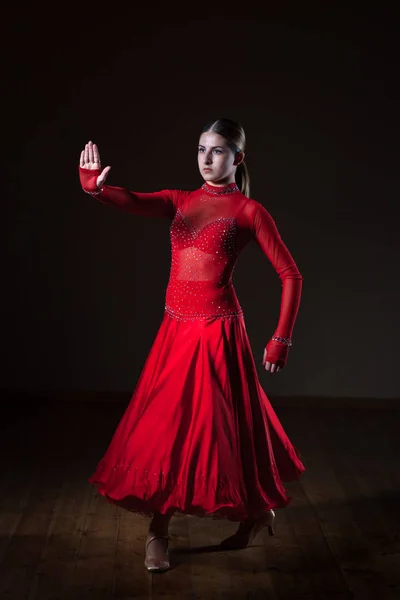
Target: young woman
199	435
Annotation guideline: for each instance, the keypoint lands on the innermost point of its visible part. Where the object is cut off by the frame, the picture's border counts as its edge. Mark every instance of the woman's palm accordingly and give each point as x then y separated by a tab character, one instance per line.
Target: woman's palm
90	159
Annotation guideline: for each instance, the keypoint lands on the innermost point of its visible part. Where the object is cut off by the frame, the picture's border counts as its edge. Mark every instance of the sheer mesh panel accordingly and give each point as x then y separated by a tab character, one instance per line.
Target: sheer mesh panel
204	256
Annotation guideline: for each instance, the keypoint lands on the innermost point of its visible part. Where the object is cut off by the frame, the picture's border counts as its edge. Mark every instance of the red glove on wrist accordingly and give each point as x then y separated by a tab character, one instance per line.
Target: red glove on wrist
88	179
277	353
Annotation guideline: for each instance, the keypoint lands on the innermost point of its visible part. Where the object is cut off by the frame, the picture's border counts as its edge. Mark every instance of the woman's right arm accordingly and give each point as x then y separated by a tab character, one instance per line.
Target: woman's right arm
92	178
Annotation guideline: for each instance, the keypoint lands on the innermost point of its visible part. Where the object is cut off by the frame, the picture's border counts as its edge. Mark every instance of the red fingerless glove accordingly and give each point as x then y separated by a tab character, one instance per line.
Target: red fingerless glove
88	179
277	353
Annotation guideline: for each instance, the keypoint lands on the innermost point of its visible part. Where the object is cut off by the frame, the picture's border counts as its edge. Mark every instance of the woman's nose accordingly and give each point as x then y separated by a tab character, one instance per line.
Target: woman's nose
207	159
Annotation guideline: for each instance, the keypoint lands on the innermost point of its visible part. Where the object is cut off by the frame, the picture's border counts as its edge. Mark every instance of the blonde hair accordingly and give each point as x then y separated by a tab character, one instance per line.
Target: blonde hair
234	134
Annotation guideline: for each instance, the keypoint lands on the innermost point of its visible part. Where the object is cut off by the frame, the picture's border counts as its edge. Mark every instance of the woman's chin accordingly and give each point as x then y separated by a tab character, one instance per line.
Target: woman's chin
210	178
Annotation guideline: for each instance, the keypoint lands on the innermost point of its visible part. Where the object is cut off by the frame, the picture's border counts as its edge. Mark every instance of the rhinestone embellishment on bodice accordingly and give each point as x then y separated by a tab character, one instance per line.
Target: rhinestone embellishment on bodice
203	259
220	191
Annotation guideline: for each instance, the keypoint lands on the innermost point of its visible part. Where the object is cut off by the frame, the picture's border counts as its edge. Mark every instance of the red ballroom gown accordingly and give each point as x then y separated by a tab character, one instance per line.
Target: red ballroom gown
199	435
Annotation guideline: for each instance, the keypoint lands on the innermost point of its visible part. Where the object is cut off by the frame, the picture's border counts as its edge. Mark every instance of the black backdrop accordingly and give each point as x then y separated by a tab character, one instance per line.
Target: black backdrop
83	284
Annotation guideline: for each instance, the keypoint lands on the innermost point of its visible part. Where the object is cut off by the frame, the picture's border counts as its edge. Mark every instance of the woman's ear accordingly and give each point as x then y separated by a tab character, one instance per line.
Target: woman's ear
239	158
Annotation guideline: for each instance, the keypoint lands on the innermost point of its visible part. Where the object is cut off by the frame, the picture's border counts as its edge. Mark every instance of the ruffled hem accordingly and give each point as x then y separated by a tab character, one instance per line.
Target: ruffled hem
145	493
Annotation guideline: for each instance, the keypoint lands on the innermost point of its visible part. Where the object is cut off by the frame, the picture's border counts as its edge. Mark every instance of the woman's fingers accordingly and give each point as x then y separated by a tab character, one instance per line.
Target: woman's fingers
90	151
96	155
90	157
271	367
86	154
102	177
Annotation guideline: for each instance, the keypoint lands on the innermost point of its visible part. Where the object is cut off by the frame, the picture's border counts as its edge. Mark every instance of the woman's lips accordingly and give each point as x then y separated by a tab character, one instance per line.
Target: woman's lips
207	169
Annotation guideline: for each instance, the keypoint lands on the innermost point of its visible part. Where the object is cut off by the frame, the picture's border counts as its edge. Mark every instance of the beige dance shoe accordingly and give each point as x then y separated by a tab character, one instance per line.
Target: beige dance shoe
156	560
245	535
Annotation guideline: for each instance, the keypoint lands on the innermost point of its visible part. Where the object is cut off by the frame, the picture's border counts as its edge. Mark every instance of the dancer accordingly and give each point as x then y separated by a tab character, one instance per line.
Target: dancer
199	435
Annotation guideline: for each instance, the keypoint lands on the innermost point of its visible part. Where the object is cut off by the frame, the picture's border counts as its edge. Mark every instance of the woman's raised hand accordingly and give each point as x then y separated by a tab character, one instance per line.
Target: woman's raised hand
90	159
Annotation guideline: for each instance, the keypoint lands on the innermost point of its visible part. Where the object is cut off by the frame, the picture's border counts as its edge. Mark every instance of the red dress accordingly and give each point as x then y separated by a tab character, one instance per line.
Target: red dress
199	435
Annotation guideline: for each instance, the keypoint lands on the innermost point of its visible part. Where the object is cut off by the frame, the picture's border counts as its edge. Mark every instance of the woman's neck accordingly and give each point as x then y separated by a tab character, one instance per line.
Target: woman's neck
221	182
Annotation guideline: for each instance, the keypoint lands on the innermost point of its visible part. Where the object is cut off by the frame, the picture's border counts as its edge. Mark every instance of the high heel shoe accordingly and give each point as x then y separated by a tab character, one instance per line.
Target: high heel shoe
245	535
159	562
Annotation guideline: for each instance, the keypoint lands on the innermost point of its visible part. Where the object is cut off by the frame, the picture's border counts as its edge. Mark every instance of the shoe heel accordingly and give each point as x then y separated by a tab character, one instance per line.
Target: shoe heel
270	525
266	522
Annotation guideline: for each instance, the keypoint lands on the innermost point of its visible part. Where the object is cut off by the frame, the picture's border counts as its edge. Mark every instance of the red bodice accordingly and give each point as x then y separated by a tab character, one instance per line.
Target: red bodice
209	228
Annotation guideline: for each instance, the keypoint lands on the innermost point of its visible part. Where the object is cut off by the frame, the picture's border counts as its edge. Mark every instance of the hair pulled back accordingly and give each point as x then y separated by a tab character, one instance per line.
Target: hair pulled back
234	134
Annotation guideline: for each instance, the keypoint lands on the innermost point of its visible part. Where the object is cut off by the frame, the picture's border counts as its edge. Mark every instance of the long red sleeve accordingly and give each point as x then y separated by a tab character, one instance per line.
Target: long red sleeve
267	236
147	204
197	267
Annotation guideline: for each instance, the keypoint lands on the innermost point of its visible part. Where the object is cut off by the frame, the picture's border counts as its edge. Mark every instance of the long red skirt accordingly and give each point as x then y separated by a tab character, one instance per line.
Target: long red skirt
199	435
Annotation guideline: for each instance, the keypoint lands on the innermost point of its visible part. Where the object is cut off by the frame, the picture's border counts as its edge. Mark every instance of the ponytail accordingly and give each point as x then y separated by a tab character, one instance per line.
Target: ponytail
243	179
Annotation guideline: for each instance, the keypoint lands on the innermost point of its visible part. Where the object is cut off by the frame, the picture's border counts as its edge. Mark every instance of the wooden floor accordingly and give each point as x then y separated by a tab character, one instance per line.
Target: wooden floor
339	538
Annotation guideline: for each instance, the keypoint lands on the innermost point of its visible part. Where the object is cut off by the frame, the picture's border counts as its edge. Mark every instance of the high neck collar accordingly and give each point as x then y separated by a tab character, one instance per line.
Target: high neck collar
230	188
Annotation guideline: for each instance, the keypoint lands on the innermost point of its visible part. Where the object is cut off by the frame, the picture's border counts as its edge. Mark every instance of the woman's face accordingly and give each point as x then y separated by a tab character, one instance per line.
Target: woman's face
217	163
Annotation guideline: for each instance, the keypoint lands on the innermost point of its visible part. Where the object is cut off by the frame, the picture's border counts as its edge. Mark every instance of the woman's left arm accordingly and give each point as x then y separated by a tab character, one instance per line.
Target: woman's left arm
267	236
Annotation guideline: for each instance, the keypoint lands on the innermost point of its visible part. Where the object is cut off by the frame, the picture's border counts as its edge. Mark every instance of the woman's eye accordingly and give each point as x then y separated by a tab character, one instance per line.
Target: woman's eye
217	150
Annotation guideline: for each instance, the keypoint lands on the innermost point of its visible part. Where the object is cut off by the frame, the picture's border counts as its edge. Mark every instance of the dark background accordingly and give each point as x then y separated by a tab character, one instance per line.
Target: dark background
317	94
